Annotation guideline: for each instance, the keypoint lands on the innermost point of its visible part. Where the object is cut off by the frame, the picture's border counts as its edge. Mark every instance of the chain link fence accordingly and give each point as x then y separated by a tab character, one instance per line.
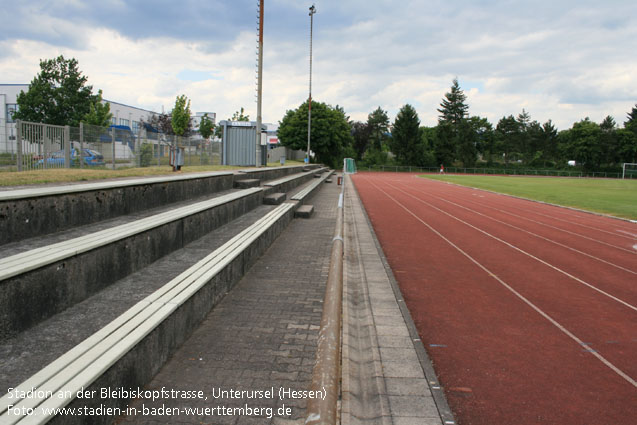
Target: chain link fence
32	146
496	171
8	154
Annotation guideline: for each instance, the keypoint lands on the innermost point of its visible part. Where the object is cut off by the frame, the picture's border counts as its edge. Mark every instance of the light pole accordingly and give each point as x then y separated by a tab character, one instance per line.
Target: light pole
309	102
259	86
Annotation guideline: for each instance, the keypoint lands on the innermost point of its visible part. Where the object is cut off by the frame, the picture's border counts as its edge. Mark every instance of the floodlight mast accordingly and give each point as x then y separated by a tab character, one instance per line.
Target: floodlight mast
309	102
259	87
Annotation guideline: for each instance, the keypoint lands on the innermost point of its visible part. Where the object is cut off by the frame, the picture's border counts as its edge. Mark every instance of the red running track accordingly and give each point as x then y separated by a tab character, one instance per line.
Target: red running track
528	311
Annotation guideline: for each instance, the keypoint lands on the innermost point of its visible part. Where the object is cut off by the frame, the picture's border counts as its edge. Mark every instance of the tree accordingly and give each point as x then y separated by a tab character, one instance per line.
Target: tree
466	143
239	116
330	134
453	129
608	139
162	123
378	123
99	113
584	144
444	148
406	142
626	150
180	116
428	141
631	124
453	109
361	134
549	141
206	127
507	134
524	142
57	95
484	139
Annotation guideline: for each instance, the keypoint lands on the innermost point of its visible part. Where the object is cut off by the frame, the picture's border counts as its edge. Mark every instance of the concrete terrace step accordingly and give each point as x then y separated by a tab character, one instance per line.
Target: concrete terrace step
167	315
40	282
270	173
304	211
309	189
288	183
122	333
274	198
247	183
34	211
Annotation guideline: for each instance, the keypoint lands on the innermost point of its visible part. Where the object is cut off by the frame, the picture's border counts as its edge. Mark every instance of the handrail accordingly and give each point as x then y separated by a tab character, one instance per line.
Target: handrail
326	375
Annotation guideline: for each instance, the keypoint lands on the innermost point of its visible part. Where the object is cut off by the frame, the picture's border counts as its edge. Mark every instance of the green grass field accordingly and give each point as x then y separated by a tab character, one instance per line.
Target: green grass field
608	196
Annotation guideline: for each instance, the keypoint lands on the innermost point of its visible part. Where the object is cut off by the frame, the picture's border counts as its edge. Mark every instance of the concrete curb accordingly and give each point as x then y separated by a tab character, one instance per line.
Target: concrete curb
435	387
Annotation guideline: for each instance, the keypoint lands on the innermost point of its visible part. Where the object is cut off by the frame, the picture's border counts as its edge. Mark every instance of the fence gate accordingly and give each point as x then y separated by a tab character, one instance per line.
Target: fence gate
42	146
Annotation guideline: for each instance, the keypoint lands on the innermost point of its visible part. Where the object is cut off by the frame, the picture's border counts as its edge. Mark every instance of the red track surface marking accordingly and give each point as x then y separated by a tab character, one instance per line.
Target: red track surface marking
513	340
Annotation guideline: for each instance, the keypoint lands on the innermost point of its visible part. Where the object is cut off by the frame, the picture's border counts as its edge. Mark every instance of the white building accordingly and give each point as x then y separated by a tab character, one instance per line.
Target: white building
129	116
8	105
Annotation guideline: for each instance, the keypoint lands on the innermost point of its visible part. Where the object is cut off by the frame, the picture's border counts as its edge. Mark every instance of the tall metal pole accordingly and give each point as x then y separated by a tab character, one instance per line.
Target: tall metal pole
309	102
259	85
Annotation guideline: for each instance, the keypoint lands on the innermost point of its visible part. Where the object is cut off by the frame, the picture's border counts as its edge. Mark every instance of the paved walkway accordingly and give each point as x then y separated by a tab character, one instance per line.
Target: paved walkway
261	336
258	345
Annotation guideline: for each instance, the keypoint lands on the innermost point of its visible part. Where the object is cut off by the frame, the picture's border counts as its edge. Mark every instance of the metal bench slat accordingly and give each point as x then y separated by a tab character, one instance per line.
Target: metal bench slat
72	372
187	289
200	268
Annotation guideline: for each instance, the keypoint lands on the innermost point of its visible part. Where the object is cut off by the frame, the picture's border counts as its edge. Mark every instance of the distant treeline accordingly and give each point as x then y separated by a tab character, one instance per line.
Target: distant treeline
461	139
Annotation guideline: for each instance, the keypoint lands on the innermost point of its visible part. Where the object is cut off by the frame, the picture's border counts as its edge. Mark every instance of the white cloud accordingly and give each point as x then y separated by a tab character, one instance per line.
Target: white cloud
557	60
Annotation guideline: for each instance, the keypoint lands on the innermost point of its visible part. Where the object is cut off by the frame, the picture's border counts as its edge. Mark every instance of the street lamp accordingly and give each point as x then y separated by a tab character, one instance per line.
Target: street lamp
309	111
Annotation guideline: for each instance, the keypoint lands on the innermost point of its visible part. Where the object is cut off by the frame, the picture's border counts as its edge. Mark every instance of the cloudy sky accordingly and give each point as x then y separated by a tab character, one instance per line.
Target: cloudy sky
560	59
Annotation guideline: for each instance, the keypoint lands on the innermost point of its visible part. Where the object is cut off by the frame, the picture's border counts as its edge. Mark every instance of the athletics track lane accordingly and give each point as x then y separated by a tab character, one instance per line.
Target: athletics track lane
502	357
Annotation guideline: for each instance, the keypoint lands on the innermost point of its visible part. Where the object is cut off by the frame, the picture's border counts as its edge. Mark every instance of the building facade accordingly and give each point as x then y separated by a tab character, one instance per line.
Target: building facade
123	115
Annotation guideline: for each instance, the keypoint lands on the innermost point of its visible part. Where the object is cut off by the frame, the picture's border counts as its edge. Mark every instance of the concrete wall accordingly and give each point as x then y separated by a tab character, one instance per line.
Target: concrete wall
32	297
29	217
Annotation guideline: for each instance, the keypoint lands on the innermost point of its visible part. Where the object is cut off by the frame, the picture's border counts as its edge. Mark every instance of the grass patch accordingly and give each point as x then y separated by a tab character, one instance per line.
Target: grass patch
63	175
608	196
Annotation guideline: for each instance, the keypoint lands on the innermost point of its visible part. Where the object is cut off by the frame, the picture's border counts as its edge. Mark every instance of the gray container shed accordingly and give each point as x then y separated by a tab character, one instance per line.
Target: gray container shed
239	143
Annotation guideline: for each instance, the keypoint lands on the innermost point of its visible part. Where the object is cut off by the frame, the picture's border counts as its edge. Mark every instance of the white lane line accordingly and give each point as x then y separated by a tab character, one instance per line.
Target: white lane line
632	307
517	294
558	209
553	227
532	234
571	222
634	235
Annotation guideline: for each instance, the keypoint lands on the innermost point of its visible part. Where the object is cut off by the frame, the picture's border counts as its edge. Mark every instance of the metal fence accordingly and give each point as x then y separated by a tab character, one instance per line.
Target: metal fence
498	171
32	146
8	153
